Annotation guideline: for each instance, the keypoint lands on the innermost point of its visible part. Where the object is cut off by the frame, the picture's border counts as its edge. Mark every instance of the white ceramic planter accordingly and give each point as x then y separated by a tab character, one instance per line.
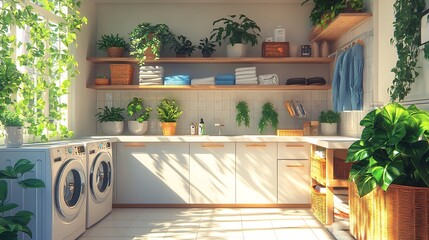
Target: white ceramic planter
113	128
136	128
236	51
328	129
14	137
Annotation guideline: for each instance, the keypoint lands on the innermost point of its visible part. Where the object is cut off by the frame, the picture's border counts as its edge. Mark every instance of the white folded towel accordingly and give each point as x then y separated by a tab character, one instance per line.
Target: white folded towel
248	79
245	69
245	72
245	76
247	83
151	67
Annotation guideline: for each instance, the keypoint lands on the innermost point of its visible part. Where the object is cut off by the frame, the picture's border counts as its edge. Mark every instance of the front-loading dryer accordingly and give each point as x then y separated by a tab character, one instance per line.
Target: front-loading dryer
100	180
60	208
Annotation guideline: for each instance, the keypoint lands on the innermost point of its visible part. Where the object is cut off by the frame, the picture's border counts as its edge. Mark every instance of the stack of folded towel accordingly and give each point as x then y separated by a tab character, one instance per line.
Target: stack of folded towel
151	75
203	81
177	80
246	75
225	79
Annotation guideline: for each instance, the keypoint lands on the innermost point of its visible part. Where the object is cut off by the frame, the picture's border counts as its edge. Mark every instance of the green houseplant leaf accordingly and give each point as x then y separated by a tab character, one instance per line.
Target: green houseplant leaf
168	110
236	29
269	116
242	114
136	110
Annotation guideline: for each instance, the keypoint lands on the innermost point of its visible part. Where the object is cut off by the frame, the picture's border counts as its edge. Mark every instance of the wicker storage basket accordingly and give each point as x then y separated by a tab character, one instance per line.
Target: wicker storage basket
318	205
318	168
400	213
121	74
275	49
290	132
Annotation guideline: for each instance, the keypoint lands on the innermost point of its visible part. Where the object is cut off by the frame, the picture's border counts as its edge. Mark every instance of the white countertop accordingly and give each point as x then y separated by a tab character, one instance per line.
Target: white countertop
332	142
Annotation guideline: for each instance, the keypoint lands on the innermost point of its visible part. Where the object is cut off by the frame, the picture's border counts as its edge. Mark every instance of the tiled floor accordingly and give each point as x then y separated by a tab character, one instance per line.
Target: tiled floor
210	224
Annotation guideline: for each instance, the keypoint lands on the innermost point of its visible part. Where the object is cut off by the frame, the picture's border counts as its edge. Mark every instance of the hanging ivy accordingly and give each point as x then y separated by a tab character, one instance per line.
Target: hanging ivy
406	38
45	56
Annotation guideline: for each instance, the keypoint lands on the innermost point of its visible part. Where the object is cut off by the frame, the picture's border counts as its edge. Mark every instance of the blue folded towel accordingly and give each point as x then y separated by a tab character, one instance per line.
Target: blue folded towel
225	77
177	80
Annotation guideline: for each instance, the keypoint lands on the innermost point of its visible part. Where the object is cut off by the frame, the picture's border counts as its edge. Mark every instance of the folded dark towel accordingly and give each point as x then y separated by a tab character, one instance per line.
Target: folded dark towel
316	81
225	77
295	81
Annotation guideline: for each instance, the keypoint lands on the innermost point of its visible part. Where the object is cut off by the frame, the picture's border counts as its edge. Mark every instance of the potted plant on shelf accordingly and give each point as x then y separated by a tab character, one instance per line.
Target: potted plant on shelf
111	119
242	114
182	46
12	123
101	79
389	188
207	47
147	40
114	45
237	32
329	122
269	116
168	113
140	116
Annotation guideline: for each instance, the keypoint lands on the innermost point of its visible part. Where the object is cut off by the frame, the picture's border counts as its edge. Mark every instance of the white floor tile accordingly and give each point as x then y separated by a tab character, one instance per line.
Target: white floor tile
295	234
266	234
289	223
146	232
105	232
258	224
150	224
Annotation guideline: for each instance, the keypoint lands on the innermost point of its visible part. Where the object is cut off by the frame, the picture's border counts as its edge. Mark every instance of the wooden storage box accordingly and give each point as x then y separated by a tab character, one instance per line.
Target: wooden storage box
121	74
290	132
318	205
275	49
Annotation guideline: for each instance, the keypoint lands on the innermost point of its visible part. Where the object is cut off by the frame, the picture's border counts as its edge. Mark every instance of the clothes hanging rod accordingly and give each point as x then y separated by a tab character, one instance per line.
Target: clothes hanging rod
363	35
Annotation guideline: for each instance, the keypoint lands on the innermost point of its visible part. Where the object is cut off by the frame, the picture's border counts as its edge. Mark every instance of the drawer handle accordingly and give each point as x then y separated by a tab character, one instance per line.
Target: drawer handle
212	145
256	145
136	144
295	145
295	165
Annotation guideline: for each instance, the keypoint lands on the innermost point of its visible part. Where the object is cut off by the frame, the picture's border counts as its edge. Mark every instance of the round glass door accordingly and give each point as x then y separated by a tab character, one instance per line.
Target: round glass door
101	176
70	189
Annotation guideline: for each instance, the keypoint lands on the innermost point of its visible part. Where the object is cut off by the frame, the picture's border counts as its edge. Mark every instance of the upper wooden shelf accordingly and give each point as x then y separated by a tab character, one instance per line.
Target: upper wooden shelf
225	60
210	87
340	25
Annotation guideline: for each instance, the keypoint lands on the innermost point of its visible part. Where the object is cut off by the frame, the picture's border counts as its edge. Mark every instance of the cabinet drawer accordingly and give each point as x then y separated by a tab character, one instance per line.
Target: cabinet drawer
293	150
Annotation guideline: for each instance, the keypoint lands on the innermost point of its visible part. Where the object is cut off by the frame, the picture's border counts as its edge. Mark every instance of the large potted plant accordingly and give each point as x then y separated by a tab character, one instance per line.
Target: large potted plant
182	47
13	127
147	39
389	187
237	31
168	113
139	115
111	119
329	122
114	45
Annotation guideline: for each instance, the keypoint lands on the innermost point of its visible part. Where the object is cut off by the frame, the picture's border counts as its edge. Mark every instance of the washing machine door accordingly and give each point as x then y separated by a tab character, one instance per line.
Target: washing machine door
70	189
100	178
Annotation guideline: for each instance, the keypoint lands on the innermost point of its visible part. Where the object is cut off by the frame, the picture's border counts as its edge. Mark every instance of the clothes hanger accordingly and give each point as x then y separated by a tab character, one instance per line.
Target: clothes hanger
359	41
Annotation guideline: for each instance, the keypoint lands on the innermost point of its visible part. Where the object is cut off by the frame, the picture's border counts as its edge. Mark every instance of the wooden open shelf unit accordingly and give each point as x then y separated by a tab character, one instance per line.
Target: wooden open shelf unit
340	25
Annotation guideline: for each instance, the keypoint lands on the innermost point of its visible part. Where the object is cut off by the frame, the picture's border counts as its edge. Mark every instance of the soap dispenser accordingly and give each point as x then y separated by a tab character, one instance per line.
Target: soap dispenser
201	128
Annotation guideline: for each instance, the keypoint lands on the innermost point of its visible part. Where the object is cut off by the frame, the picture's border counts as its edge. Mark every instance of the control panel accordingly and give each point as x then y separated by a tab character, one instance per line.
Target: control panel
61	153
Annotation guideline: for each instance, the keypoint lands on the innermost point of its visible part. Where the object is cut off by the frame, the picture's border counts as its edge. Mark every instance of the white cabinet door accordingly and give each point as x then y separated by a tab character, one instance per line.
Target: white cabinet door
293	150
212	173
152	173
294	182
256	173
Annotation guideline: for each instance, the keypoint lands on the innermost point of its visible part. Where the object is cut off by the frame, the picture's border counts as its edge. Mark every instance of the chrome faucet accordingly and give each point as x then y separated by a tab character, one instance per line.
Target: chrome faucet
219	125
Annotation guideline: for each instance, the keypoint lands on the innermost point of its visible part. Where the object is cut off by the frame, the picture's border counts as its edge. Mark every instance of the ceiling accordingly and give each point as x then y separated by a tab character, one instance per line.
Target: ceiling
198	1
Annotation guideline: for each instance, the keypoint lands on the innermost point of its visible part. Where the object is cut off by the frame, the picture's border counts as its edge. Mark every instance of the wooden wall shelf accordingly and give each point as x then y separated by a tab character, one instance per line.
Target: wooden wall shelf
196	60
340	25
210	87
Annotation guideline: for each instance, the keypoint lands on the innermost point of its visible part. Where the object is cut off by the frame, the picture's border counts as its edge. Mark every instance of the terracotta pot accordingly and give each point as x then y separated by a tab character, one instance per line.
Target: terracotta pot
102	81
168	128
115	52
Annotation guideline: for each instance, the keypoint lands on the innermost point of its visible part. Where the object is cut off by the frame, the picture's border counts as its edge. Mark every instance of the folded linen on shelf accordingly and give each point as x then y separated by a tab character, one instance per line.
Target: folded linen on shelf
244	69
268	79
201	81
253	72
177	80
227	77
151	67
237	77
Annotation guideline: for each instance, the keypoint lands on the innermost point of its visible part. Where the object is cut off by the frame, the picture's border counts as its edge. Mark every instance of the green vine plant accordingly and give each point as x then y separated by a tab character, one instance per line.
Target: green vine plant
269	116
46	58
406	38
242	114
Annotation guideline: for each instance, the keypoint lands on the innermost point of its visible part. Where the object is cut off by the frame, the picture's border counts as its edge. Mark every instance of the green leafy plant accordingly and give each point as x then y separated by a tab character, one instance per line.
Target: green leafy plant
207	47
269	116
356	5
325	11
147	37
11	119
329	117
10	80
111	114
182	46
393	149
242	114
406	37
108	41
169	110
242	30
136	110
11	226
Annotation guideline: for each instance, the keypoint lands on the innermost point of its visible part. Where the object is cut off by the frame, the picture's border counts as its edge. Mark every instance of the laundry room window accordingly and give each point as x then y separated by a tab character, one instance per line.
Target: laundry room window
41	36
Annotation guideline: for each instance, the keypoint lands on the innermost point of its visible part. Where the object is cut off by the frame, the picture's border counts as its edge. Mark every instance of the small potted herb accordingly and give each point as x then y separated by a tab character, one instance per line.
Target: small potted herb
207	47
12	123
139	115
269	116
328	122
168	113
182	46
113	44
242	114
101	79
112	120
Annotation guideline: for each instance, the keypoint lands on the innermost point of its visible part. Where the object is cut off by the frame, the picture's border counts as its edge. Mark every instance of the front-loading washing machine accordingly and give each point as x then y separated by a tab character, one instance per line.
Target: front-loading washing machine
60	207
100	180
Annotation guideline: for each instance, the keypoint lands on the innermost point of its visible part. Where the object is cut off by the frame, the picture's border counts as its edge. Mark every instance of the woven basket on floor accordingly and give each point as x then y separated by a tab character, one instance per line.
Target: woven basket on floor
400	213
121	74
318	205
